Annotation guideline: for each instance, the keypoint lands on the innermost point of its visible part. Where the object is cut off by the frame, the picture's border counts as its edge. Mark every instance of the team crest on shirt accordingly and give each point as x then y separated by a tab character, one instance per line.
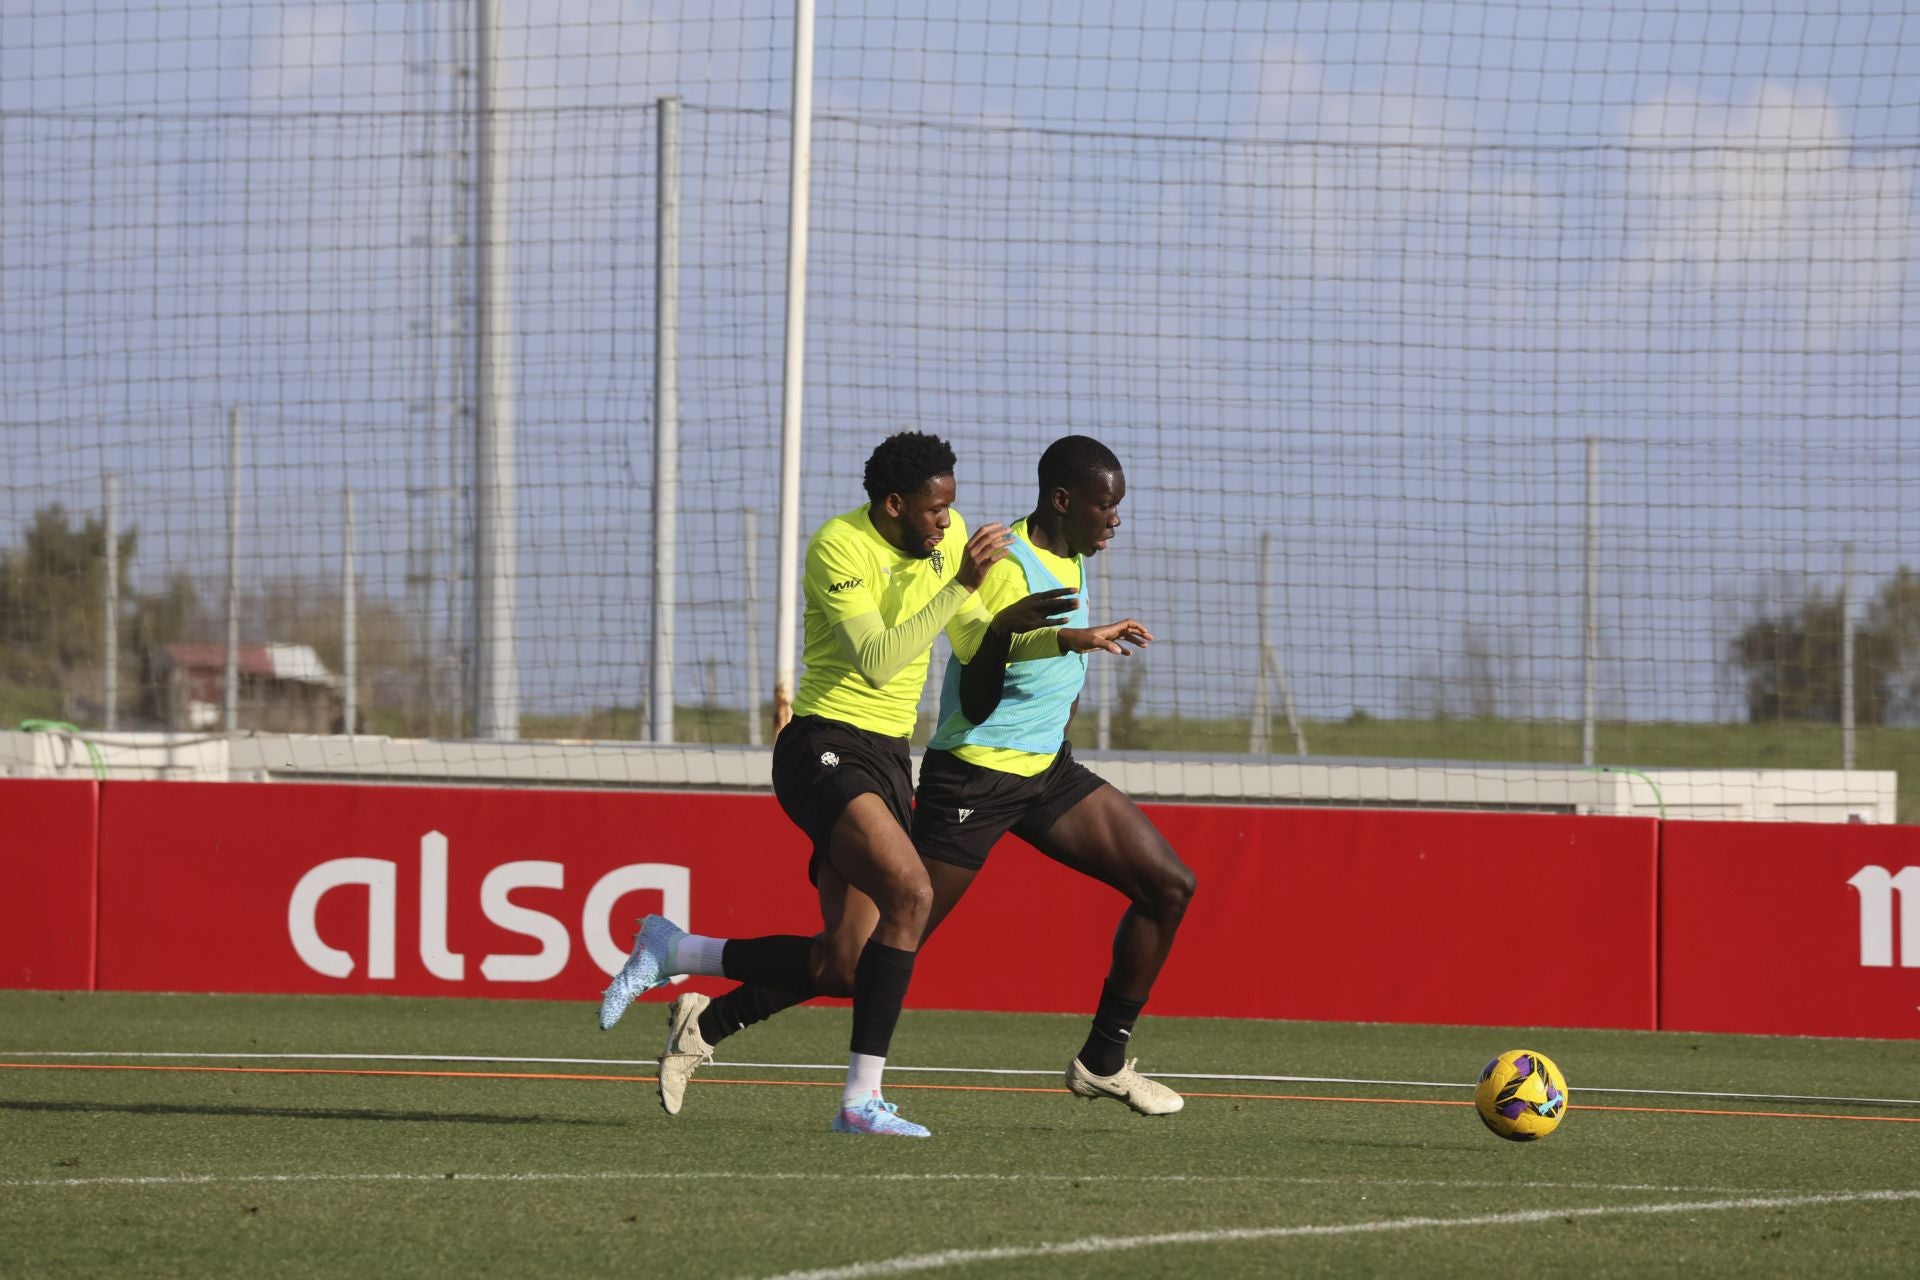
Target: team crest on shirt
939	562
829	759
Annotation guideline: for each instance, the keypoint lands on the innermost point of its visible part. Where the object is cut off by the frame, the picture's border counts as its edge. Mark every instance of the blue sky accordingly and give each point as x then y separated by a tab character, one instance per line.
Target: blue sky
1359	276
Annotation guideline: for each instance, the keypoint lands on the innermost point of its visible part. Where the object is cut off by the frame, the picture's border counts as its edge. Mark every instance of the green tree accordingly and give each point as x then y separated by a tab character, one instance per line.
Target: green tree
1895	614
52	624
51	592
1791	664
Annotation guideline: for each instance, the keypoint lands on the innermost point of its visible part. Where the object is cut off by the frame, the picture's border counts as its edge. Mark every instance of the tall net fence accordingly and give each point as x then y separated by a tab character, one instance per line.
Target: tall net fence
1495	382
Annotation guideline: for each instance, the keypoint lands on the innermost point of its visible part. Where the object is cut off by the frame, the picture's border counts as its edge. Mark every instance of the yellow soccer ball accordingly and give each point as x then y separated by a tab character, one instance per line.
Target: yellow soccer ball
1521	1096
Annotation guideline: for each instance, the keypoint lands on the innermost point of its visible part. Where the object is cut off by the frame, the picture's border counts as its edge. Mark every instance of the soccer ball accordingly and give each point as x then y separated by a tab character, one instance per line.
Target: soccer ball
1521	1096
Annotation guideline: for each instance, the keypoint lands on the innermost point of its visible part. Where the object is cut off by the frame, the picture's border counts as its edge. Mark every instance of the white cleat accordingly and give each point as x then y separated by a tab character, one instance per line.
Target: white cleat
686	1050
1148	1097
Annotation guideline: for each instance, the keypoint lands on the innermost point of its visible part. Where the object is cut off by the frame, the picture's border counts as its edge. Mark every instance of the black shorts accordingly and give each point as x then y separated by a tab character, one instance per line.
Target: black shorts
820	766
962	810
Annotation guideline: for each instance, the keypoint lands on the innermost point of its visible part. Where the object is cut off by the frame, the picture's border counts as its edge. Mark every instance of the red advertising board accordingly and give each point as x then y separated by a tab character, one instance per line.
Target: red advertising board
1792	929
424	890
1371	915
1351	914
47	851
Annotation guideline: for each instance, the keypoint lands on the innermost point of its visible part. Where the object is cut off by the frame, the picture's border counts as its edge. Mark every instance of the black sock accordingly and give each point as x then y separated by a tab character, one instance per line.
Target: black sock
783	962
1105	1051
740	1008
880	982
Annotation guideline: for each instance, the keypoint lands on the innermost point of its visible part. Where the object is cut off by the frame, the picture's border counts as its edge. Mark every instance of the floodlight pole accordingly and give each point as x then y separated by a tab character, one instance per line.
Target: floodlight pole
787	620
666	418
349	622
110	659
750	535
1298	734
1260	727
1591	663
496	679
231	693
1846	658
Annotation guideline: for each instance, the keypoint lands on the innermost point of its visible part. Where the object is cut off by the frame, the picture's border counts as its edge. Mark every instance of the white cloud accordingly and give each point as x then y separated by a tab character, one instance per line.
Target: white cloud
1764	206
1768	202
1381	202
329	56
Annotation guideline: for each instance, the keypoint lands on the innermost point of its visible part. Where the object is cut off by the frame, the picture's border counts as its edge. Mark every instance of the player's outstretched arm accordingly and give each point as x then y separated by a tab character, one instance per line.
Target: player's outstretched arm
984	677
1113	637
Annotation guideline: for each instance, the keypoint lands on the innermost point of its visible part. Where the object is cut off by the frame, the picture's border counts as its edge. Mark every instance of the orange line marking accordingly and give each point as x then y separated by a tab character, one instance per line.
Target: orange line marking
943	1088
322	1071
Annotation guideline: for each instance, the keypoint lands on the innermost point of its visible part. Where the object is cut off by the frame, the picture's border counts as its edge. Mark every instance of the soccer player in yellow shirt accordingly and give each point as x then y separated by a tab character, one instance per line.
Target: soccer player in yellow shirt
881	582
1000	762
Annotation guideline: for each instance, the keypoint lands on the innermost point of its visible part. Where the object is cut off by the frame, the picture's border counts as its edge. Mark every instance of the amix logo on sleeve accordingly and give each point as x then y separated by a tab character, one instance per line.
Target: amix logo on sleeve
834	588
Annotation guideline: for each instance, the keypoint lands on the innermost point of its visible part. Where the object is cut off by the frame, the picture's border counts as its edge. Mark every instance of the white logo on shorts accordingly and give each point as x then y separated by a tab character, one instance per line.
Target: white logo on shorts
829	759
964	814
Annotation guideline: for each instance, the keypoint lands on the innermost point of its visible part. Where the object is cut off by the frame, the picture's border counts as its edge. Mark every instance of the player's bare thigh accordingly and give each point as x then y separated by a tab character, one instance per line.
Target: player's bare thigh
1105	836
849	917
870	855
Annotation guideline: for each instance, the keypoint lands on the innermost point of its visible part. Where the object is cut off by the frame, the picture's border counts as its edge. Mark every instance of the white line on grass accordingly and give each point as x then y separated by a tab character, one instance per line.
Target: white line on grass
1114	1244
896	1068
724	1175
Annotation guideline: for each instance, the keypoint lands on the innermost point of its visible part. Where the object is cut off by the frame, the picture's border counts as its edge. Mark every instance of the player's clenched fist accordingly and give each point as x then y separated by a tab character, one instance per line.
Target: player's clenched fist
988	543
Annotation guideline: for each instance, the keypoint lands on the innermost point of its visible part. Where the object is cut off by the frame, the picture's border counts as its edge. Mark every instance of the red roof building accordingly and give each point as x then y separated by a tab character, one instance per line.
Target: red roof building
284	688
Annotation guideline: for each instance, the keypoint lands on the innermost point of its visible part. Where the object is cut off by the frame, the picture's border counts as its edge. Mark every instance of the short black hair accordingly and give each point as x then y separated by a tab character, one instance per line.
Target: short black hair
906	462
1072	461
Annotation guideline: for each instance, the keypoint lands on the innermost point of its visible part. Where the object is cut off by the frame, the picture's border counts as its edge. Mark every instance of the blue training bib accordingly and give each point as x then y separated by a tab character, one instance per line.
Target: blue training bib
1038	701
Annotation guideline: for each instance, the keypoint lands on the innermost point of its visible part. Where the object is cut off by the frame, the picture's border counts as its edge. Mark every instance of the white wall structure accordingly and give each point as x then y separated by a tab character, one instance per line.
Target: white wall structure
1766	795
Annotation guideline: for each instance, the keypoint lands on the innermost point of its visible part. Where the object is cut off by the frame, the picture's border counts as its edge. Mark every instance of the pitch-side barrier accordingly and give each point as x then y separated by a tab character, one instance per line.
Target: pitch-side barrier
1375	914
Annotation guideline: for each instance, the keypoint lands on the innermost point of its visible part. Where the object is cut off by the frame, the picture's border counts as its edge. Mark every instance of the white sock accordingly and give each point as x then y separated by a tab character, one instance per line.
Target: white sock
697	955
863	1079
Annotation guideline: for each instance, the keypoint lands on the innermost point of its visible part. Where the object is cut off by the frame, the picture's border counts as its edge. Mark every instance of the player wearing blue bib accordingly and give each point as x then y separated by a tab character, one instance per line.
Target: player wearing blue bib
1000	762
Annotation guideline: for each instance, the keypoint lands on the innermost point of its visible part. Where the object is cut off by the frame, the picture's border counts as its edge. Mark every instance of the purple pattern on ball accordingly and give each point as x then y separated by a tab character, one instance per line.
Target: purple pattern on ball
1513	1110
1488	1069
1522	1066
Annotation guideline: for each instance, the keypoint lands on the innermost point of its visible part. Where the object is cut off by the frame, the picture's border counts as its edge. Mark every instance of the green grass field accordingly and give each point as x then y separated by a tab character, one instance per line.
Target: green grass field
515	1168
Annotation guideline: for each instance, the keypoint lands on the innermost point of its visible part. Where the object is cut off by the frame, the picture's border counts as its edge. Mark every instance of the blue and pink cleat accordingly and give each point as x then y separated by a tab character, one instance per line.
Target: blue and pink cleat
645	969
877	1116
